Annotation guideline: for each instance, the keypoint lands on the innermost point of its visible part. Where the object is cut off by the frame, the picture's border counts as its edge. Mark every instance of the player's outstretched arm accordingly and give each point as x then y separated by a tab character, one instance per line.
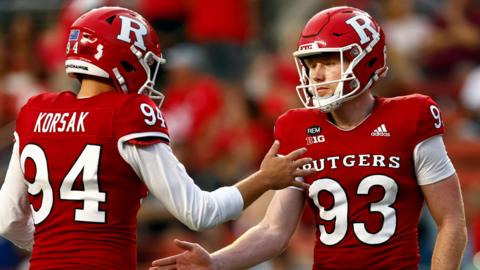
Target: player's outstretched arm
444	200
260	243
167	179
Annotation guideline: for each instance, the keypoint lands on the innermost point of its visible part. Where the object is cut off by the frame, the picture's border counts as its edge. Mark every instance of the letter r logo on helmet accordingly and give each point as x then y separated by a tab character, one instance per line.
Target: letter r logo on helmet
131	25
360	28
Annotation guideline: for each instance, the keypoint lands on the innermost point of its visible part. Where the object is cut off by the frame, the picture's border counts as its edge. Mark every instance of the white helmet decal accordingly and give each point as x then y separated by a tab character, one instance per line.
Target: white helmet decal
138	28
360	28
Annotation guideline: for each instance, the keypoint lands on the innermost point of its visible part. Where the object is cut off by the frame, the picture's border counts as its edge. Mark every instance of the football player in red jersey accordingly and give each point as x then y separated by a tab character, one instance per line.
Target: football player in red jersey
377	160
81	163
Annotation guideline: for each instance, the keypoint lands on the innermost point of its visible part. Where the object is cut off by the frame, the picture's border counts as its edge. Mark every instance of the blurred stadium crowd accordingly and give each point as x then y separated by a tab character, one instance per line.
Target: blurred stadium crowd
230	73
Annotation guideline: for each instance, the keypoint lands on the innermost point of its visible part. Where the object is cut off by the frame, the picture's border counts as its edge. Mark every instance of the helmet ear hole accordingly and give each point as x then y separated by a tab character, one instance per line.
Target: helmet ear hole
127	66
372	62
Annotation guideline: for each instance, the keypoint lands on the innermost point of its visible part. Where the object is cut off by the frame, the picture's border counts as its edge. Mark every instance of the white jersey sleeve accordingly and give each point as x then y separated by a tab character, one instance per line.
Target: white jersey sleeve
167	179
432	163
16	222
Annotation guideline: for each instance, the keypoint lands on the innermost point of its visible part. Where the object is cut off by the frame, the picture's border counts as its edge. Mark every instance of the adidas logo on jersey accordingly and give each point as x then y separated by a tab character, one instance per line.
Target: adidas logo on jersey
381	131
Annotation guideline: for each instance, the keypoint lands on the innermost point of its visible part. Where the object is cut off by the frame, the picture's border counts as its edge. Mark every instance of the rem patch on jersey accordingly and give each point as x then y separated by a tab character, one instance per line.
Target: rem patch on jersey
313	130
74	34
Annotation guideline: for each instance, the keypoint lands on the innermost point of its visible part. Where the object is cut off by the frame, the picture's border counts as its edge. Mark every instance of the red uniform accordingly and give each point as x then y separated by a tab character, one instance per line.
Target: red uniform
364	195
84	196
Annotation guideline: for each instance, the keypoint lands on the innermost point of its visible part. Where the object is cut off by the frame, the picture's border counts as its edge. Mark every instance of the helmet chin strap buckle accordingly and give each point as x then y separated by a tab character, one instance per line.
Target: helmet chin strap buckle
121	81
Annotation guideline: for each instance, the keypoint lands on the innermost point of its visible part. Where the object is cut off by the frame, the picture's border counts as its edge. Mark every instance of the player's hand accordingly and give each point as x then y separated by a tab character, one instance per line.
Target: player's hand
195	257
280	171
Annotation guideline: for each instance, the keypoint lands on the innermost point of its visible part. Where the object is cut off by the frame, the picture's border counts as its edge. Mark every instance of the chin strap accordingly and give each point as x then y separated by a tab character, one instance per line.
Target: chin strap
121	81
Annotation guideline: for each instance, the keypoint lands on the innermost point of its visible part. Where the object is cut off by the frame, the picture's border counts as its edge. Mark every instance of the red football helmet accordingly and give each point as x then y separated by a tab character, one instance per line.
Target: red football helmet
119	44
359	41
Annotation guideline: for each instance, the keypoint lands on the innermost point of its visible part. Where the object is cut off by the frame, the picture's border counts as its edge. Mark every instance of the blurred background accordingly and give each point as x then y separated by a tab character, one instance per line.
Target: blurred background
230	73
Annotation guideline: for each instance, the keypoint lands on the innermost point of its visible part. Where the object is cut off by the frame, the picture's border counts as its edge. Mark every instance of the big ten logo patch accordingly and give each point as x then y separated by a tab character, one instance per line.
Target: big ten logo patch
314	136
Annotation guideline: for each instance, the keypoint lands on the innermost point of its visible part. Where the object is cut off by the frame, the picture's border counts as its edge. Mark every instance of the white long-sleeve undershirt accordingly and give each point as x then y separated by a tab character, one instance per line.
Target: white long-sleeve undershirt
167	179
16	222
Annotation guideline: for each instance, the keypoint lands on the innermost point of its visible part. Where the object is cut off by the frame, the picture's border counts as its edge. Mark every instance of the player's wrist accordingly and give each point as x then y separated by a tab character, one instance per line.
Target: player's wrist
217	263
264	178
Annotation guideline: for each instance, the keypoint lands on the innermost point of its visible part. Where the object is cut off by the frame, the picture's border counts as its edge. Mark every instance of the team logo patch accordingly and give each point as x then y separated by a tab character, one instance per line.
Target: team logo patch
74	35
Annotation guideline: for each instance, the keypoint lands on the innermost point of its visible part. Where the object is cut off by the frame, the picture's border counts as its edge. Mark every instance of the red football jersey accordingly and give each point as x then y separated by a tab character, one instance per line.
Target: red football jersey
84	196
364	194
